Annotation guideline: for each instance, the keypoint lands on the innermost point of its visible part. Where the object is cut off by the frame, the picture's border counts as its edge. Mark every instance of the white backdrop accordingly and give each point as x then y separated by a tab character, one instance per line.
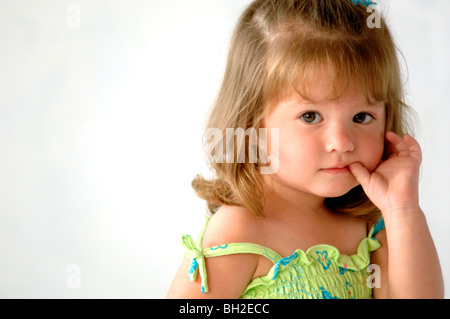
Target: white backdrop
101	111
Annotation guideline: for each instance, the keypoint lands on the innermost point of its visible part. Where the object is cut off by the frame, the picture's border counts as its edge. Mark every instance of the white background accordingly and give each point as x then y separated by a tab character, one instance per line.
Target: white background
100	136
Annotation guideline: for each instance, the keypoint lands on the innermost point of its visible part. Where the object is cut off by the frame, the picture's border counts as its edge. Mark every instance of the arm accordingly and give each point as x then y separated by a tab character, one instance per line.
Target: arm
408	260
227	276
405	246
414	269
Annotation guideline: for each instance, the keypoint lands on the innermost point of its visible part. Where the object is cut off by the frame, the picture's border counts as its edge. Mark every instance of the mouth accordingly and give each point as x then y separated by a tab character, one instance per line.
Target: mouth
336	170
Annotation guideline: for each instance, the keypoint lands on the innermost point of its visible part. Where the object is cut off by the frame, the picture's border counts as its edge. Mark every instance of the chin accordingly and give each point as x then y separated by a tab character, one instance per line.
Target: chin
338	191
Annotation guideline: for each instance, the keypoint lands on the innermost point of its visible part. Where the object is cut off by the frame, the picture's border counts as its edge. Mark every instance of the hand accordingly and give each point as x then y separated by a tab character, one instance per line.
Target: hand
394	184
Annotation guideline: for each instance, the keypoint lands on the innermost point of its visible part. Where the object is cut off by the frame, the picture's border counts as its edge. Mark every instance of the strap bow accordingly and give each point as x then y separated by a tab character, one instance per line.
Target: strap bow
198	261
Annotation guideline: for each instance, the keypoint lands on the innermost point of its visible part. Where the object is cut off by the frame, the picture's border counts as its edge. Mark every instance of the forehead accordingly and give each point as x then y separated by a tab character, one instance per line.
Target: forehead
324	87
321	87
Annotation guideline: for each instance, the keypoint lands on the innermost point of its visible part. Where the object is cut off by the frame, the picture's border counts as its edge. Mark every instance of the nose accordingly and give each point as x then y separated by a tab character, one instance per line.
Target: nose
339	139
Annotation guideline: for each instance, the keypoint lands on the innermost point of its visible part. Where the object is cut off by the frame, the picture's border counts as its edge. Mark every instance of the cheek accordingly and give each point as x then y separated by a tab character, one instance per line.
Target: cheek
298	148
373	152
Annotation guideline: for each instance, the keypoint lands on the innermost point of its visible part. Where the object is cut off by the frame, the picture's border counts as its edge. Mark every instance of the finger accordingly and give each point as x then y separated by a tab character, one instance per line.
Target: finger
412	143
361	173
397	146
414	147
393	138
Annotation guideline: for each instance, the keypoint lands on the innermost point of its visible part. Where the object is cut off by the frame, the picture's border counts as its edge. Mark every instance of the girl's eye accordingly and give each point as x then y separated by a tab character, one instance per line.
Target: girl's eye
311	117
362	118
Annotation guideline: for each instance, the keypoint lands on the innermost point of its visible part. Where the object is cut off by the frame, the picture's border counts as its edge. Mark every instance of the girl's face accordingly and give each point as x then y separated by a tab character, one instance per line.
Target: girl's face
319	137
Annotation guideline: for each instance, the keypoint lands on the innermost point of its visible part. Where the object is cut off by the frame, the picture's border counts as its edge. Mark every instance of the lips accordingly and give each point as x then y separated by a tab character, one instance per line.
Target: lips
338	169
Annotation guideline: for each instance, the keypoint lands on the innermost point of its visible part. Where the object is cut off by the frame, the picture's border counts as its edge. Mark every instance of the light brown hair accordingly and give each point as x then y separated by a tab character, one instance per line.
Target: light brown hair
275	50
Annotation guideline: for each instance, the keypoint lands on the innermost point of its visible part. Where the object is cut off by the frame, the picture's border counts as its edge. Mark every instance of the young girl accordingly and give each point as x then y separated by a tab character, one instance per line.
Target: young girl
339	217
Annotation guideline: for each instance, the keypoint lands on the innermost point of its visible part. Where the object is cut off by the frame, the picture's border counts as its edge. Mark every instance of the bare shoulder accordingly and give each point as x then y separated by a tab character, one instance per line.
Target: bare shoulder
231	224
227	276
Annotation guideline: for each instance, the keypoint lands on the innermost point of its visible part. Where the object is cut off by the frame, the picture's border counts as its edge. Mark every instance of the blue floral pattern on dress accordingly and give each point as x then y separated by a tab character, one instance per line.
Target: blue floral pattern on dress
220	247
326	294
323	259
343	270
193	269
284	261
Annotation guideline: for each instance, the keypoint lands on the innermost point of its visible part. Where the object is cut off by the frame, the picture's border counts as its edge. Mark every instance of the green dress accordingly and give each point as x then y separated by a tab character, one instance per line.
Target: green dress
321	272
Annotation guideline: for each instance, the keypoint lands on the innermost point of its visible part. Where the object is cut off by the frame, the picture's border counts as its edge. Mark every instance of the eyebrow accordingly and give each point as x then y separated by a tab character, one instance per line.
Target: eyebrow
320	103
377	103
